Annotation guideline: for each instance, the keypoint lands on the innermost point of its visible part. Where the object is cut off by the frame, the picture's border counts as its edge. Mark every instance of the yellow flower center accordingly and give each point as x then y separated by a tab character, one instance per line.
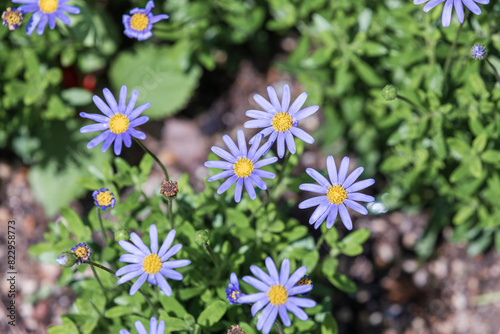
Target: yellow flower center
151	264
118	123
139	22
104	198
282	121
304	281
233	295
12	17
48	6
336	194
243	167
277	295
82	252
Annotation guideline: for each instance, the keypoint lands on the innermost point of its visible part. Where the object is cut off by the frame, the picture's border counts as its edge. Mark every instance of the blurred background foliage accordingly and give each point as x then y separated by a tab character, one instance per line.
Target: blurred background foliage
442	157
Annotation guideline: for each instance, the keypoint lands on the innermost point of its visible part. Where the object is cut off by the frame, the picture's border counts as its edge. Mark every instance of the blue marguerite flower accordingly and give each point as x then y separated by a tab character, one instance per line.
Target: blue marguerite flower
153	329
478	52
280	120
82	252
241	166
150	264
277	293
46	11
336	194
448	8
141	22
233	292
118	121
104	198
12	18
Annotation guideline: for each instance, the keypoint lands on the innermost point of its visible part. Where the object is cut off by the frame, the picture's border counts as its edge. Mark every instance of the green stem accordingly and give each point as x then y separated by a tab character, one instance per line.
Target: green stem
280	175
154	157
99	218
97	265
321	240
447	63
413	104
493	69
170	215
212	254
99	281
280	328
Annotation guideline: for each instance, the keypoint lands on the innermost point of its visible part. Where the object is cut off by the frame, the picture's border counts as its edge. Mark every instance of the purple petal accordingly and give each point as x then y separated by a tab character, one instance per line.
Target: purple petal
471	5
332	216
256	283
227	184
281	144
284	271
122	99
139	243
95	117
360	197
223	154
299	313
172	274
344	215
264	315
111	100
261	274
356	206
257	123
284	315
166	243
176	264
118	144
258	114
153	237
238	189
344	166
274	98
264	173
352	177
296	276
269	322
94	127
446	17
128	268
131	258
171	252
131	102
139	110
300	289
360	185
41	25
130	276
265	162
318	177
231	145
271	268
69	9
258	181
249	187
305	113
132	248
219	164
309	203
221	175
298	103
302	135
315	188
264	104
258	305
252	298
242	145
138	121
302	302
290	143
102	106
136	133
285	98
164	286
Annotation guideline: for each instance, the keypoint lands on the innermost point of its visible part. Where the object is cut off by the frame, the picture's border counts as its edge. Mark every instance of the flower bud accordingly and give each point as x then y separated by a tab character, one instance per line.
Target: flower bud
122	234
478	52
66	259
201	237
389	93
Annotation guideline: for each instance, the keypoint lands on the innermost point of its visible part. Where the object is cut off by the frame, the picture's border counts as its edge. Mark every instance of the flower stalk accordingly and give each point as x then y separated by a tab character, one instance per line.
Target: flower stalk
154	157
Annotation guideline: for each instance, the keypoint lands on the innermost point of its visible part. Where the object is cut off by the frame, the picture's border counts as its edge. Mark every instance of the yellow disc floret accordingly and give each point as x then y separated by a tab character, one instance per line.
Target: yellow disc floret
139	22
243	167
82	252
13	18
118	123
234	295
48	6
104	198
277	295
282	122
151	264
336	194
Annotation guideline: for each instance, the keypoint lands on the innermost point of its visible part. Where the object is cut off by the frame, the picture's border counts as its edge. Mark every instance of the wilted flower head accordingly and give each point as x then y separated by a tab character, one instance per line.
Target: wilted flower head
478	52
448	8
82	252
235	330
140	24
169	188
12	18
104	198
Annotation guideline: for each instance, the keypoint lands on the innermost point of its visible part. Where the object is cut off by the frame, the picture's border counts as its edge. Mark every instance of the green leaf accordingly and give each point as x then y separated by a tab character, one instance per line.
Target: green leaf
69	326
491	156
352	249
56	109
342	282
76	226
479	143
213	313
357	237
465	212
119	311
458	147
77	96
366	73
161	79
329	325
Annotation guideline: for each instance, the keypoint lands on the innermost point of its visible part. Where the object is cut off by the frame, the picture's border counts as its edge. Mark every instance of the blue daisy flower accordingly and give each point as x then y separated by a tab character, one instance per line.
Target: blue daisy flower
141	22
233	292
12	18
82	252
448	8
241	166
119	120
153	329
150	264
280	120
478	52
104	198
336	194
46	11
277	293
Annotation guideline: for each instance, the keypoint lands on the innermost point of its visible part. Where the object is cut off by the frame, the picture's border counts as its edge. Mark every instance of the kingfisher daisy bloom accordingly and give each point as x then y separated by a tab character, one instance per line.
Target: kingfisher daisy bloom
150	264
82	252
233	292
104	198
153	329
141	22
241	166
277	291
280	120
478	52
336	194
12	18
46	11
448	8
118	120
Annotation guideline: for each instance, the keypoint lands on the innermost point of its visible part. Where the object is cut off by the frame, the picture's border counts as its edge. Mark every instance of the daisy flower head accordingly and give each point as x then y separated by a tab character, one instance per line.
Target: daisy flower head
478	52
233	292
276	294
280	120
12	18
118	121
46	11
153	329
337	193
448	8
152	263
82	252
140	24
103	198
241	166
